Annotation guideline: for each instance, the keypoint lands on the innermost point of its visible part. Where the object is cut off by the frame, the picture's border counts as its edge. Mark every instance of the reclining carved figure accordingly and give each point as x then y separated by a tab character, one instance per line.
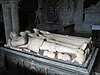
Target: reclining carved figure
50	43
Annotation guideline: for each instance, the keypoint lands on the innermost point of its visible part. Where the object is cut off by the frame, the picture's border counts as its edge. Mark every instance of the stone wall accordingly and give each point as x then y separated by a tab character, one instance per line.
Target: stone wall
57	14
10	16
92	16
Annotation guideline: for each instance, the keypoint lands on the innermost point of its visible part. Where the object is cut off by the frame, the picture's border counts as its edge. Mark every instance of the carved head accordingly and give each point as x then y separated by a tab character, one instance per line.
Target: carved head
13	35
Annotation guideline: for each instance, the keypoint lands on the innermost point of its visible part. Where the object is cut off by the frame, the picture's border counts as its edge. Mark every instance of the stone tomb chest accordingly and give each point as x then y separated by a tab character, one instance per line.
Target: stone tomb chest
53	56
16	61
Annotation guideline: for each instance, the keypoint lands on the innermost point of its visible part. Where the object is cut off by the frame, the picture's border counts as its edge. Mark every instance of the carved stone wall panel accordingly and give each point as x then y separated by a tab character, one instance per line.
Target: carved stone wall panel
78	16
43	11
61	13
7	20
66	12
15	17
53	10
10	16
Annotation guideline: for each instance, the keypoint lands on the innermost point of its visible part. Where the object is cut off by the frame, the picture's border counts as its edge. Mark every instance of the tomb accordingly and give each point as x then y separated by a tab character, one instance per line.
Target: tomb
43	52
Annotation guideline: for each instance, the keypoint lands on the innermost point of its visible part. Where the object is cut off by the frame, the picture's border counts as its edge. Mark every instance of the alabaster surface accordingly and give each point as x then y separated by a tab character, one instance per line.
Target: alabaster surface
65	57
65	47
49	54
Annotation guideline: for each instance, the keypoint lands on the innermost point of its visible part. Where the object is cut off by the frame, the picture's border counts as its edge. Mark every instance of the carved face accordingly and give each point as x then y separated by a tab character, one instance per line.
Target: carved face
13	35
